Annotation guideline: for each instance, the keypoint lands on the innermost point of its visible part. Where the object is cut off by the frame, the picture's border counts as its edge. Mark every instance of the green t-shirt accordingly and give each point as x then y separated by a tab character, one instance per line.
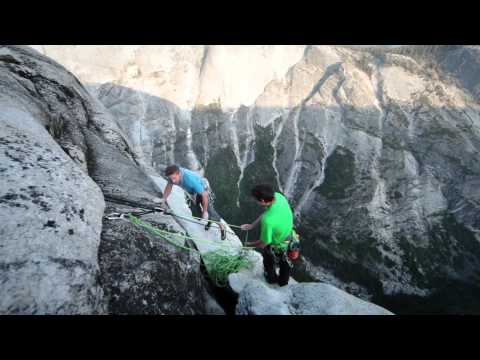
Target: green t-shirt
277	223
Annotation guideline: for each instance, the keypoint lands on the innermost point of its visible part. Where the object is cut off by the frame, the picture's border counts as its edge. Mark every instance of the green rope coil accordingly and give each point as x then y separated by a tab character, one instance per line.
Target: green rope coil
219	263
157	232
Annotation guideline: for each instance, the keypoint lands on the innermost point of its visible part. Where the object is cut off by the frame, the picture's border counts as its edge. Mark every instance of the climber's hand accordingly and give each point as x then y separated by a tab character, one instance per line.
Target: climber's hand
205	215
246	227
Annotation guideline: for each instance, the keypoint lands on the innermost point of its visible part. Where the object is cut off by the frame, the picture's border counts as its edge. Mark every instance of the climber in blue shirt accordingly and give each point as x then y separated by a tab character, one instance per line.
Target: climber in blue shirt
198	187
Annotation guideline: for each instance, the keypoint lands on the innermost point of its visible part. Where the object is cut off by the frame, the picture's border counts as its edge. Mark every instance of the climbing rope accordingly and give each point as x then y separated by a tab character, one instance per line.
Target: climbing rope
213	221
157	231
192	219
129	203
219	263
166	212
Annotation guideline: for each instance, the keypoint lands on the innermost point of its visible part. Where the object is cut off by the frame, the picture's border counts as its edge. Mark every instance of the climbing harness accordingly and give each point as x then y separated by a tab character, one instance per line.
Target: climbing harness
281	255
291	253
293	250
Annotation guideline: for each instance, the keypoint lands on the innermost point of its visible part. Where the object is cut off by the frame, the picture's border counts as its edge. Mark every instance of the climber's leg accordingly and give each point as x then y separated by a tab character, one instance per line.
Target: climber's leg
269	265
199	210
213	214
197	205
284	270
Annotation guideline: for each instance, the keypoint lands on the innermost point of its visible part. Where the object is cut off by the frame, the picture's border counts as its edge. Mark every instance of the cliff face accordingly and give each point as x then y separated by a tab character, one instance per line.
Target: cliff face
376	150
61	153
67	166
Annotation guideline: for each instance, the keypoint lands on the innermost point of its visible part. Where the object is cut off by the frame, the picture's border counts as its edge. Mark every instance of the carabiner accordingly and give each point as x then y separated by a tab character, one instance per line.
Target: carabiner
115	216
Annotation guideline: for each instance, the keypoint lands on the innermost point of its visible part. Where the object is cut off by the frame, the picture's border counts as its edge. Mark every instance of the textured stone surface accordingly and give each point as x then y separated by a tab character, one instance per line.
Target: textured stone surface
376	150
144	274
56	255
302	299
50	210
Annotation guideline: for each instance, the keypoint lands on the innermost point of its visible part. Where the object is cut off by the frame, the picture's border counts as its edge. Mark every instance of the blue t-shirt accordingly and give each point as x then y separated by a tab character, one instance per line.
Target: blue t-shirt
191	181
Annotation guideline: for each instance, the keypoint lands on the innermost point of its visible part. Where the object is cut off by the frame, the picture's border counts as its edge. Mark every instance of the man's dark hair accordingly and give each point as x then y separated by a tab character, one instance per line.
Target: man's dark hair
172	169
263	192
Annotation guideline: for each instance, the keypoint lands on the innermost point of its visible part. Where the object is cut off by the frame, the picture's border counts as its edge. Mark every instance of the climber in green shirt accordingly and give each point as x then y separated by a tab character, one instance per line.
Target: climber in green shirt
276	229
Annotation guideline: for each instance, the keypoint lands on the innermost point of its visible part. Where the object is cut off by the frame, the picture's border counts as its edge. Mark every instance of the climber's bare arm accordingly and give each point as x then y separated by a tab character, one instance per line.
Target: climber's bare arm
251	226
256	222
259	243
167	191
204	201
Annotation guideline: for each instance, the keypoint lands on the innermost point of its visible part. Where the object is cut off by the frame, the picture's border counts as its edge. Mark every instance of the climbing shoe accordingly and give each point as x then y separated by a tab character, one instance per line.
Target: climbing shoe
207	227
223	232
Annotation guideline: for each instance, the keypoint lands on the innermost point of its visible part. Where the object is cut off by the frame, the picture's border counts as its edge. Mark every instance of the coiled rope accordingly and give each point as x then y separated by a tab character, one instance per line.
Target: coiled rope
219	263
